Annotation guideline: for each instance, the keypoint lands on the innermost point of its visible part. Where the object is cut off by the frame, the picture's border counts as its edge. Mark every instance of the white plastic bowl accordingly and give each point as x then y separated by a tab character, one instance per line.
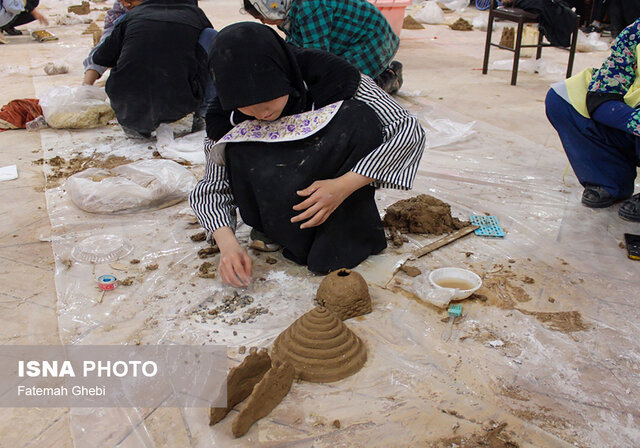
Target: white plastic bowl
439	275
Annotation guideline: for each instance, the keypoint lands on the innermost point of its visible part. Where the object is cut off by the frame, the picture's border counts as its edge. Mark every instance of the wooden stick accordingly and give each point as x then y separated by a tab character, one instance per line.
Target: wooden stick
443	241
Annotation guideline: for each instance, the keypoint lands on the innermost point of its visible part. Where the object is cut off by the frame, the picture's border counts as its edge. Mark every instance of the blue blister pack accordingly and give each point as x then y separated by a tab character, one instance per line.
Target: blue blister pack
488	226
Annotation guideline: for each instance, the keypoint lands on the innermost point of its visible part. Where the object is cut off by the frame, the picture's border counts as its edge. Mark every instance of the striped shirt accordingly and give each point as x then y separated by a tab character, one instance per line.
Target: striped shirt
393	164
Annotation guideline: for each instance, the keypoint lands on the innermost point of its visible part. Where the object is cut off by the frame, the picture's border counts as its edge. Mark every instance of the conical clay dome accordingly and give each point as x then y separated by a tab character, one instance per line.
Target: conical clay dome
321	347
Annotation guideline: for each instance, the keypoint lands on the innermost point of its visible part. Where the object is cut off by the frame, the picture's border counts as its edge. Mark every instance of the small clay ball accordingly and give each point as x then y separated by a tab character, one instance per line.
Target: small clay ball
345	293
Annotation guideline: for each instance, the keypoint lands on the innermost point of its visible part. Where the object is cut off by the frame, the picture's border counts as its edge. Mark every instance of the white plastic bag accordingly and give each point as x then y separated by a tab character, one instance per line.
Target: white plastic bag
183	149
143	185
66	107
590	42
428	12
455	5
442	132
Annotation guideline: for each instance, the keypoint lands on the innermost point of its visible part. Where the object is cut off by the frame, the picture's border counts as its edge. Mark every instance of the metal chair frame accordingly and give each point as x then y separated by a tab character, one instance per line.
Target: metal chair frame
522	17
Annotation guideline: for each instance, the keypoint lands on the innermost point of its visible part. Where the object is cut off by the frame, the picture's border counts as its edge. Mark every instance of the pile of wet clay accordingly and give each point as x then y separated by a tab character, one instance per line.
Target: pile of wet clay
422	214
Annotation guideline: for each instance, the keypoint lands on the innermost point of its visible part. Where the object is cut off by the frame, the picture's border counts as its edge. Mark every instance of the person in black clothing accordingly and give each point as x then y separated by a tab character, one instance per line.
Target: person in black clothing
297	141
27	15
622	13
158	67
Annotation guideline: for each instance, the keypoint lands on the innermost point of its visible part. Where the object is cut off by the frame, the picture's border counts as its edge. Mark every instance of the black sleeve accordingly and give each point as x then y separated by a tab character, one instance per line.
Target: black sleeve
595	99
108	52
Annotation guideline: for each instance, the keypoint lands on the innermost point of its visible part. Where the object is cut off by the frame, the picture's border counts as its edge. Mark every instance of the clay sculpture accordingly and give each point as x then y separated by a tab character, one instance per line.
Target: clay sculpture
321	347
242	380
345	294
266	395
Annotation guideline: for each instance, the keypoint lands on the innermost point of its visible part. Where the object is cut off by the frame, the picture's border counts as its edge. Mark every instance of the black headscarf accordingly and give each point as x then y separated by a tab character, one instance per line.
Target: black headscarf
252	64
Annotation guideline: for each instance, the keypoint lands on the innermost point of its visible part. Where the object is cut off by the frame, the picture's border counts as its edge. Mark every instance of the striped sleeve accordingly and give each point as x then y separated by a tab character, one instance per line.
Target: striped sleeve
211	199
394	163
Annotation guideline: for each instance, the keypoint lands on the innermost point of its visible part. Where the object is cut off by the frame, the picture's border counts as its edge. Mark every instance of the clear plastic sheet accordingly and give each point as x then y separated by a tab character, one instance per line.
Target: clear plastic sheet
550	387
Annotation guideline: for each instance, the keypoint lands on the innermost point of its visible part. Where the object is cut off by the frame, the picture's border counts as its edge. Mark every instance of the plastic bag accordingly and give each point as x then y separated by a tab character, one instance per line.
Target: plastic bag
429	12
183	149
143	185
590	42
444	132
77	107
455	5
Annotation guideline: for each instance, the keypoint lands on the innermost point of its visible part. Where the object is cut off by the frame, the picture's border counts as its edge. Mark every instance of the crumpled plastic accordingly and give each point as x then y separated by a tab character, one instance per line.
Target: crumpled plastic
143	185
183	149
428	12
66	107
590	42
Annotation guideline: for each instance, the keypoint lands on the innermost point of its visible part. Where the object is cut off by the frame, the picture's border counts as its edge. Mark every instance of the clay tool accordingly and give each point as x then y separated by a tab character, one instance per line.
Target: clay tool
454	311
424	250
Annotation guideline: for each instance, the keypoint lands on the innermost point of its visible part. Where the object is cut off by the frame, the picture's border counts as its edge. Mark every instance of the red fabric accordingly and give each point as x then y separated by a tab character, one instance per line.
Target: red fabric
20	112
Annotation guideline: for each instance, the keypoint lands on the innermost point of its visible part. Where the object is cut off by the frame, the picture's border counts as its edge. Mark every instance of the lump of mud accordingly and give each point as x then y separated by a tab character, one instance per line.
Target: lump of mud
410	23
461	25
422	214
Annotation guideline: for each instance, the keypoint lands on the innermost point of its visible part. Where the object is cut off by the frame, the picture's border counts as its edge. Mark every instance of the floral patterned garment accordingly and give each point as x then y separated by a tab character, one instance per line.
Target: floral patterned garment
619	70
292	127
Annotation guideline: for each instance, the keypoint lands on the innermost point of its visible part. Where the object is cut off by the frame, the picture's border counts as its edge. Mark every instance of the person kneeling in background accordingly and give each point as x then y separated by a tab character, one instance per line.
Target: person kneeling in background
353	29
14	13
158	57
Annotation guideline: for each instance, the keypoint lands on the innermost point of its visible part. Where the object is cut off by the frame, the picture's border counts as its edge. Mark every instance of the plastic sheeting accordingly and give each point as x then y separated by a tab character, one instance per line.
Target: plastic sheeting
546	379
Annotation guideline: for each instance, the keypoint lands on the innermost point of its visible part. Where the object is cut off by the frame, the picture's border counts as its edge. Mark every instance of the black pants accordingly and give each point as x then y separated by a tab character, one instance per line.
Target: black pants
265	177
25	16
622	13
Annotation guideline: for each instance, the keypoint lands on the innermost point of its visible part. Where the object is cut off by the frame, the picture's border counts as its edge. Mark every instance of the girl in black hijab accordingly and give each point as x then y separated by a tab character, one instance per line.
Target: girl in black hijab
298	140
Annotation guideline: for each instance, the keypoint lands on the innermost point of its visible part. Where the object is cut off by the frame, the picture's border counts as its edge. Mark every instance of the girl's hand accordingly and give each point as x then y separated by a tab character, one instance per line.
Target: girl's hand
235	263
324	196
39	17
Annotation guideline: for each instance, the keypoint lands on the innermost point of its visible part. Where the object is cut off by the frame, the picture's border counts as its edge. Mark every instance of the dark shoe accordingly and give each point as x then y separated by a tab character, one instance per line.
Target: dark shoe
261	242
591	29
396	67
630	209
131	133
595	196
198	123
11	31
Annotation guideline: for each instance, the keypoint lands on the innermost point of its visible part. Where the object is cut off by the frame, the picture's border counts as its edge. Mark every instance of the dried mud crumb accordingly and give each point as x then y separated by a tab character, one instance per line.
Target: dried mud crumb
207	252
336	423
151	267
411	271
242	350
468	254
528	280
397	238
127	281
621	245
134	261
197	237
271	260
511	260
206	270
235	333
551	300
